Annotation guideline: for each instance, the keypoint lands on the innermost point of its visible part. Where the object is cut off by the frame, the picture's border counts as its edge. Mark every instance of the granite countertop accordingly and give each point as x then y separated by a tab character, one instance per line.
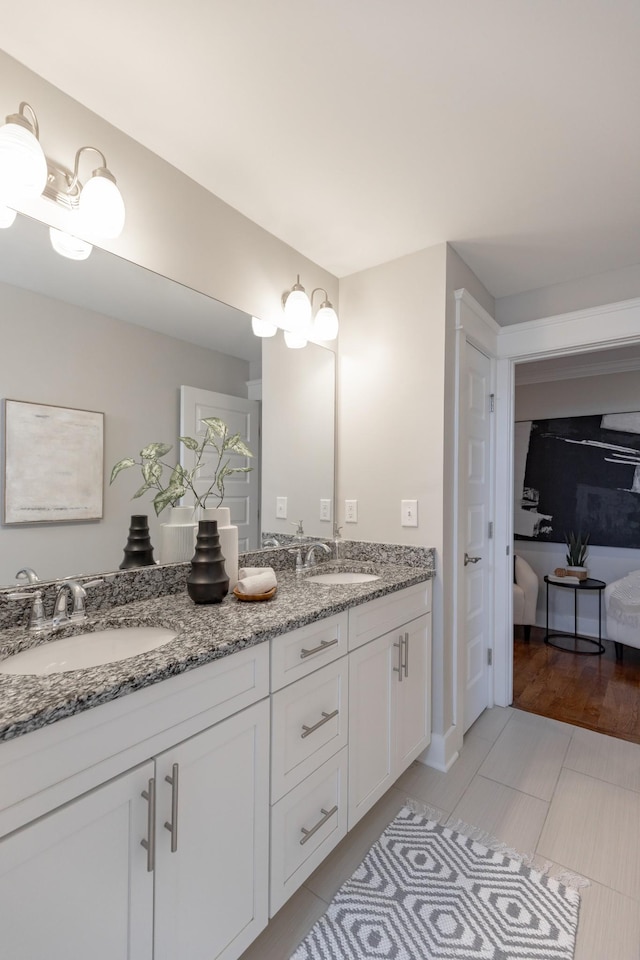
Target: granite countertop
204	633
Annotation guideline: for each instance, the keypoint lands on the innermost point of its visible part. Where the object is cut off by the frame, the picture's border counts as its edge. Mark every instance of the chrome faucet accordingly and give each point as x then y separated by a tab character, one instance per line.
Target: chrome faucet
309	560
271	542
78	593
28	574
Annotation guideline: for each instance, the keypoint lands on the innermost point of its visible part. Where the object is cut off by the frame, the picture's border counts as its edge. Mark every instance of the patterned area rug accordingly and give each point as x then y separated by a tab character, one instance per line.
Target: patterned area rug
427	892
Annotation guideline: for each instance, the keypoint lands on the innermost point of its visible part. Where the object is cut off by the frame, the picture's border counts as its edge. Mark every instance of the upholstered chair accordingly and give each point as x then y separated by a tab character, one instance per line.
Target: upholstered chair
525	594
622	606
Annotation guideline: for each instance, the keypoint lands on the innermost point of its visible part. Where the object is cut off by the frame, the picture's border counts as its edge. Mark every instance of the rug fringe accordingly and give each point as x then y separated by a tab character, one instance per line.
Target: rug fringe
545	867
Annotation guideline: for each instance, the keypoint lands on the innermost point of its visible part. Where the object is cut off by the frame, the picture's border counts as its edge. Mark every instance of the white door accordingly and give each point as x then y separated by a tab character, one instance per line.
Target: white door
75	884
477	572
242	490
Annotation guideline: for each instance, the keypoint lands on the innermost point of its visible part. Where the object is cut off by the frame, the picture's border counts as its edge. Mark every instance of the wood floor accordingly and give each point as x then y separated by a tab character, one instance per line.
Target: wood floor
594	692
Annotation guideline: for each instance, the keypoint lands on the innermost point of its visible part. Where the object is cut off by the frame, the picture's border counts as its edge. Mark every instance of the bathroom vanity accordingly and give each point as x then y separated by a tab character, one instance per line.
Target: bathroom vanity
212	775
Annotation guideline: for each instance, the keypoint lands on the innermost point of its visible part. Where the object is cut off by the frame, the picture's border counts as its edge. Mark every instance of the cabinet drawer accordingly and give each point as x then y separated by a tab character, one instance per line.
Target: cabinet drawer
306	826
309	724
296	654
372	619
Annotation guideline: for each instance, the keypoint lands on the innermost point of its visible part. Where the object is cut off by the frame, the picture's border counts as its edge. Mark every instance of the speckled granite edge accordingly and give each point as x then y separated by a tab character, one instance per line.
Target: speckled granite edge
145	583
203	633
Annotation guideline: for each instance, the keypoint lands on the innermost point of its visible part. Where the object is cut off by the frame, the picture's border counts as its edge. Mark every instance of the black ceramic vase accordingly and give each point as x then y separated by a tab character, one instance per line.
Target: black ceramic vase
208	581
138	551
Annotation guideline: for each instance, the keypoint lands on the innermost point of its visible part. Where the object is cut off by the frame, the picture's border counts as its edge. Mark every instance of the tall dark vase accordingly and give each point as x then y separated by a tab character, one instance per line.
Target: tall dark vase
208	581
138	551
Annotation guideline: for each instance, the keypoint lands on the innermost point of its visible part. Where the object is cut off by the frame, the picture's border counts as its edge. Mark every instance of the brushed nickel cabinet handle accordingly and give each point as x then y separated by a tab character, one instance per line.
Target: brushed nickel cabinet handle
149	843
327	814
325	719
406	654
173	826
323	645
398	669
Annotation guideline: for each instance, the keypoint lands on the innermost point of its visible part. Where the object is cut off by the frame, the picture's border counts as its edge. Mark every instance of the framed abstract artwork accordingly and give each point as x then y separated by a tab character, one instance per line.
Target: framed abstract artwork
53	463
580	474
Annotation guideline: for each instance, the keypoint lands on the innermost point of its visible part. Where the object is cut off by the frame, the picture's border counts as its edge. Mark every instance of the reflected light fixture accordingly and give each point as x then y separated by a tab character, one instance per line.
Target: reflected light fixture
295	341
263	328
7	216
26	173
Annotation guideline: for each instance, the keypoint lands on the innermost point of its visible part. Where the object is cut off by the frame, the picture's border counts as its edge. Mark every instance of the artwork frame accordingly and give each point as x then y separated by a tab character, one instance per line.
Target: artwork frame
580	474
53	463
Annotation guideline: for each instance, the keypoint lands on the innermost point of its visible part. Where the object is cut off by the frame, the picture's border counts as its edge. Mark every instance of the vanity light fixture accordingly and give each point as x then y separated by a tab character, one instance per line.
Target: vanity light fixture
295	341
298	311
26	173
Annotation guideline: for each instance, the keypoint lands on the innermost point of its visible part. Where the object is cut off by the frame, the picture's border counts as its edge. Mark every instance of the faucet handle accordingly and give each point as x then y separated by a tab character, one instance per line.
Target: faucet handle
28	574
298	553
299	528
36	618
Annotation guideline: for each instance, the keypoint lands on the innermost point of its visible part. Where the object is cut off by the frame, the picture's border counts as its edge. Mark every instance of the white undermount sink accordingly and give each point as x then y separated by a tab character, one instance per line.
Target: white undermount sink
91	649
342	576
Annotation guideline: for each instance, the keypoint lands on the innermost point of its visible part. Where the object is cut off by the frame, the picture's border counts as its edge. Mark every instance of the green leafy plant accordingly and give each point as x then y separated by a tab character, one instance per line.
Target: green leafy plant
577	548
182	481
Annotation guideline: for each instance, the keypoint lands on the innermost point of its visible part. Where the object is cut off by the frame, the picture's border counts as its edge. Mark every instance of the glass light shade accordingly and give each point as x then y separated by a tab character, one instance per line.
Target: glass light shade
294	341
23	165
69	246
262	328
7	216
325	324
297	310
102	207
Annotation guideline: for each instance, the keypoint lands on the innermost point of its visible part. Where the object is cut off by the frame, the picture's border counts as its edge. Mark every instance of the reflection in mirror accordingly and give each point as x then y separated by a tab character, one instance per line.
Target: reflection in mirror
110	336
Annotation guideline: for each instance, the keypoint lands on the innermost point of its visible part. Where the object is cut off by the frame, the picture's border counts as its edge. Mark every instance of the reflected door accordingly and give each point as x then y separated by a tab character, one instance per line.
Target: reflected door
242	489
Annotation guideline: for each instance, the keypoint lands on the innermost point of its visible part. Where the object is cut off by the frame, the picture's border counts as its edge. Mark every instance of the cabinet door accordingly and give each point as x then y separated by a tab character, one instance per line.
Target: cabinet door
371	699
413	700
75	883
212	891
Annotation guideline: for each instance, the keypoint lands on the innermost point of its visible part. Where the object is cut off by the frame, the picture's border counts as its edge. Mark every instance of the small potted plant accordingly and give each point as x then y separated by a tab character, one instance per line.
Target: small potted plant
577	552
178	535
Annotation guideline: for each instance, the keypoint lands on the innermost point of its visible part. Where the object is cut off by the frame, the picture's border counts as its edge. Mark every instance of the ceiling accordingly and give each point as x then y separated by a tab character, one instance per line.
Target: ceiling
361	130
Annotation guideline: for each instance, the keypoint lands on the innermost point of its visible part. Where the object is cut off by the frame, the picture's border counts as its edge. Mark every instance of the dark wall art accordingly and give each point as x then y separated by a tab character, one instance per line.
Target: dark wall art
580	474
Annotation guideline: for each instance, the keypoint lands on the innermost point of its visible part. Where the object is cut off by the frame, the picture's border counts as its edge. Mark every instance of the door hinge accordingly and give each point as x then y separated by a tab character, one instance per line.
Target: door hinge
492	402
490	657
490	529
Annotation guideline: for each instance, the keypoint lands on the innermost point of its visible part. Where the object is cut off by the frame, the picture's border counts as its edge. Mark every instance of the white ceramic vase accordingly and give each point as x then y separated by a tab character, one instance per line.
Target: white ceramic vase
228	539
177	535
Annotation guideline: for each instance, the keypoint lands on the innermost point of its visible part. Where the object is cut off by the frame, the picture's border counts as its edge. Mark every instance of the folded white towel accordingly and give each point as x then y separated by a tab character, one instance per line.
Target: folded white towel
245	572
257	584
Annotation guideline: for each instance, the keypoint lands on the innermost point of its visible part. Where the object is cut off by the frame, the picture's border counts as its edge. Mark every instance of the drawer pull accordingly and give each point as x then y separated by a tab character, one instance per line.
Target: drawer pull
325	719
327	814
323	645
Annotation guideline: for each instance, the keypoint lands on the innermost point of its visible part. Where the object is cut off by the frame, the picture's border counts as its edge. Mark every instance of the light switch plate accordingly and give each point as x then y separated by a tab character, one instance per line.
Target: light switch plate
325	510
409	513
351	511
281	508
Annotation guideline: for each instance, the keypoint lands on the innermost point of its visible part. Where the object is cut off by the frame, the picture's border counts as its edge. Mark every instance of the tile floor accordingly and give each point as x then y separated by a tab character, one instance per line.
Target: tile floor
569	795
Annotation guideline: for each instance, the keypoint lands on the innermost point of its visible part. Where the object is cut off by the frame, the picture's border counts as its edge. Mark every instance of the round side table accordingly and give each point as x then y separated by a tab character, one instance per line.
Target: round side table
584	586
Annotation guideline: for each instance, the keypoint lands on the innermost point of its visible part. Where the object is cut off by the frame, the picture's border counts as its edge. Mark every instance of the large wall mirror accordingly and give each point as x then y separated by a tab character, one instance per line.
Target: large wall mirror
107	335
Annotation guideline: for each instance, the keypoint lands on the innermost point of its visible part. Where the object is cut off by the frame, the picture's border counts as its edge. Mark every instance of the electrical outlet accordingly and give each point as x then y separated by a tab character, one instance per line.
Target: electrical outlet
409	513
351	511
281	508
325	510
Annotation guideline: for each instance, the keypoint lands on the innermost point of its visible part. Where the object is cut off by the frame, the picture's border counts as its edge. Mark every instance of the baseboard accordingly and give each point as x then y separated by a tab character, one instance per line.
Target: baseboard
442	752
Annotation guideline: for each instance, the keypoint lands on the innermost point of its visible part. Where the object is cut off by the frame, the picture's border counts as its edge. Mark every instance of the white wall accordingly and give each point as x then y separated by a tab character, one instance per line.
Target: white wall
608	393
55	353
597	290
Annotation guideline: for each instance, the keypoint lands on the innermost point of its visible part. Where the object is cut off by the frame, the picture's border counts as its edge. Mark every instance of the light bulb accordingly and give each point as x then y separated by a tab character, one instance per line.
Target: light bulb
325	324
101	205
294	340
23	165
7	216
262	328
297	308
69	246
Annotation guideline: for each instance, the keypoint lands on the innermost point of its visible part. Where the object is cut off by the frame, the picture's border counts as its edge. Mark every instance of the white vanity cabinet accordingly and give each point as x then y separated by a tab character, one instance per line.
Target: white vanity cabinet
389	693
167	860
